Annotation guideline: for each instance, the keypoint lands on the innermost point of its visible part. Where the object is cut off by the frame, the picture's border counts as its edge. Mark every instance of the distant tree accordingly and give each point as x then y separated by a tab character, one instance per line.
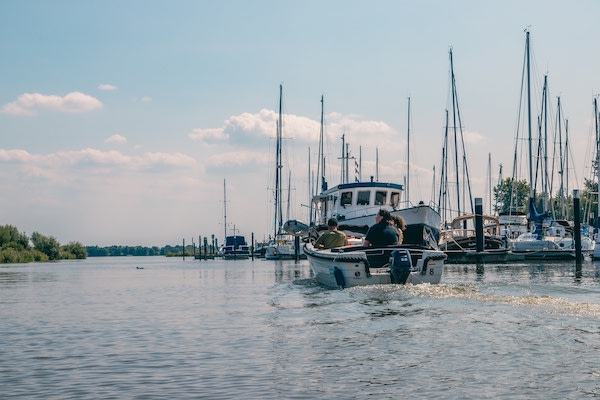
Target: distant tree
47	245
11	237
74	250
507	190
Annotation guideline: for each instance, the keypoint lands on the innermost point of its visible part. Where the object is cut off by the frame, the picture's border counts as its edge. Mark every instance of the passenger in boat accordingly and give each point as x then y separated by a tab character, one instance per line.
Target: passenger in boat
398	223
383	233
333	237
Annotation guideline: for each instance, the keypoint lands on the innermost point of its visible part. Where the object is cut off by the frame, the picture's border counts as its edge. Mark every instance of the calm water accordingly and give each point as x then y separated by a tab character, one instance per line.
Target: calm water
103	329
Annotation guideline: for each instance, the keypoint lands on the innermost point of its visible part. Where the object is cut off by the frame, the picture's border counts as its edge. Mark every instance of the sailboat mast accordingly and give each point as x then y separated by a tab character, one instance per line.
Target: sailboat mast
597	164
310	186
544	175
408	156
561	166
278	211
321	157
224	211
530	139
454	127
567	167
289	200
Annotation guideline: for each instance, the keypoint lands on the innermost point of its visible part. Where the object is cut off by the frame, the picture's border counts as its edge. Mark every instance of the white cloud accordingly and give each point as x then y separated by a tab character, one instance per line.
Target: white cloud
473	137
211	135
116	139
91	158
237	161
245	128
146	99
74	102
107	87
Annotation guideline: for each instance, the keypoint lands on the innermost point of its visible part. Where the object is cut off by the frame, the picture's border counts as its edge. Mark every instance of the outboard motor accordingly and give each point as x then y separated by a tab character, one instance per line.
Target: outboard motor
400	266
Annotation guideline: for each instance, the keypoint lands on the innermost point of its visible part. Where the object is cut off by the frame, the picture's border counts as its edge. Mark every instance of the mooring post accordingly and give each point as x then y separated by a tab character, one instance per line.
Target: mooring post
577	227
296	248
199	249
252	248
479	243
183	249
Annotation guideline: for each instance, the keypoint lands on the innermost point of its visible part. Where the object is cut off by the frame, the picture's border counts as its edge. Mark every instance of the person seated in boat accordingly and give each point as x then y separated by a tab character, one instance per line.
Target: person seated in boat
333	237
398	223
383	233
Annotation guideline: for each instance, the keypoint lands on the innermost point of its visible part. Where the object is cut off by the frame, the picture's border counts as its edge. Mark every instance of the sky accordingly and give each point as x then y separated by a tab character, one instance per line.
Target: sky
143	122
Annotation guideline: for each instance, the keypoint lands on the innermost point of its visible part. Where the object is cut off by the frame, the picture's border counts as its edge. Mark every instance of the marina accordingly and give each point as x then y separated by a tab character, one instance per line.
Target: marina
265	329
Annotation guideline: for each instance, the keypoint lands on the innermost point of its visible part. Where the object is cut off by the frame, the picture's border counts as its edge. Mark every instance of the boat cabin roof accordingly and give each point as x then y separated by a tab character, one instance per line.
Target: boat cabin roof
361	185
235	240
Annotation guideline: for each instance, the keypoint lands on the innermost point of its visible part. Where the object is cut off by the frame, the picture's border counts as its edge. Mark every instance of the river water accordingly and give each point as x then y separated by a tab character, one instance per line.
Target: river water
165	328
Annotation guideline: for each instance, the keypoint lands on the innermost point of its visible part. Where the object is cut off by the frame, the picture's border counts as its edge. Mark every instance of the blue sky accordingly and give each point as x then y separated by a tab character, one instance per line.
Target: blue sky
120	120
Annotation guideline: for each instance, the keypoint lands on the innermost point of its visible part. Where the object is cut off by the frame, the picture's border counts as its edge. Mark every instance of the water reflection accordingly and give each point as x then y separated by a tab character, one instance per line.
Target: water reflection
287	271
9	278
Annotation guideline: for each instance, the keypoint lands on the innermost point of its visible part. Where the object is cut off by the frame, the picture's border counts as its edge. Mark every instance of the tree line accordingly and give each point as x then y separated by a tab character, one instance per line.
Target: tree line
513	195
17	247
119	251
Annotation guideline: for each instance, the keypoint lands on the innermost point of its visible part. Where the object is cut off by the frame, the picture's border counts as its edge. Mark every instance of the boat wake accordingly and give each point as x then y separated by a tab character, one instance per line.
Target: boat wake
555	305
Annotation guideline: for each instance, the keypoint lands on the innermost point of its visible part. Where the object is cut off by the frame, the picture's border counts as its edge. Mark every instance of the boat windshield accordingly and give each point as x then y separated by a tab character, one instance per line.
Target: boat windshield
346	199
363	198
380	197
395	199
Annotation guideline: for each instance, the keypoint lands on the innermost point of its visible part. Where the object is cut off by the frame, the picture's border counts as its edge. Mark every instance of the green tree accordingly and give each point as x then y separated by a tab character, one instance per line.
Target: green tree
46	244
509	189
11	237
74	250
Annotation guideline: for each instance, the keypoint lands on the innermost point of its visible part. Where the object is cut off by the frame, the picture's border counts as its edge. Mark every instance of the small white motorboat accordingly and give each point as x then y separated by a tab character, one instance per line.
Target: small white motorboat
348	266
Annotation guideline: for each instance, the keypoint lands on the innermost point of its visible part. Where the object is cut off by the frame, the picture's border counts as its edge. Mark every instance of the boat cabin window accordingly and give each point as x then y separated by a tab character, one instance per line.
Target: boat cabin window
346	199
395	199
380	197
363	198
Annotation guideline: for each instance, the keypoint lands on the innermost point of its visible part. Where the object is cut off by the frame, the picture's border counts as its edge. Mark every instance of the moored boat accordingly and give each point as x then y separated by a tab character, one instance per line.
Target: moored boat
235	248
356	204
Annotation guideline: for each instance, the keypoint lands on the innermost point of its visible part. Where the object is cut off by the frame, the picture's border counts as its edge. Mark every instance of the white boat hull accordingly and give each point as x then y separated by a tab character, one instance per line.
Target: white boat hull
353	266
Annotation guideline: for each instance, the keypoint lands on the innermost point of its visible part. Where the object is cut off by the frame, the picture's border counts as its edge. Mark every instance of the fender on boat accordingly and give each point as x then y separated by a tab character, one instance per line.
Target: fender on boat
339	277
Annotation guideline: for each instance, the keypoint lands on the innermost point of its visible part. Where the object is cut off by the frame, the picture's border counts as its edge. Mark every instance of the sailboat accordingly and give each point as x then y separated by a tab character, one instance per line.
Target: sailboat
235	246
547	238
282	245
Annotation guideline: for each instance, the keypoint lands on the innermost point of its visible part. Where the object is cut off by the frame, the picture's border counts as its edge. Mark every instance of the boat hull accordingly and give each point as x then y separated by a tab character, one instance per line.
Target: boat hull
358	266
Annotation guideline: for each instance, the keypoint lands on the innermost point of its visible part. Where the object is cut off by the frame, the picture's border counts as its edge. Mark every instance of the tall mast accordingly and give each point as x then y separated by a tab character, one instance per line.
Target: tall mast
310	202
530	139
321	157
597	162
561	165
278	167
408	156
544	141
224	211
454	126
566	214
289	200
